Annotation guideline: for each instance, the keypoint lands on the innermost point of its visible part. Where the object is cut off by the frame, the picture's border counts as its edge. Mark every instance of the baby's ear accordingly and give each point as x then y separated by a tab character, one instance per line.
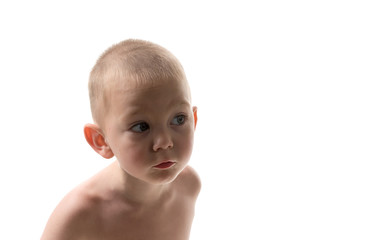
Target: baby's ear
195	111
96	140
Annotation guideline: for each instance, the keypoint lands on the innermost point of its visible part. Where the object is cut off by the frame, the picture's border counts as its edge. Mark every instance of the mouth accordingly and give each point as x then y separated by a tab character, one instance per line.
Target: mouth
165	165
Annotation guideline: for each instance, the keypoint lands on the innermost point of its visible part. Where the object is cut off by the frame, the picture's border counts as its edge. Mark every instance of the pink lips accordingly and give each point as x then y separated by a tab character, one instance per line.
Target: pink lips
165	165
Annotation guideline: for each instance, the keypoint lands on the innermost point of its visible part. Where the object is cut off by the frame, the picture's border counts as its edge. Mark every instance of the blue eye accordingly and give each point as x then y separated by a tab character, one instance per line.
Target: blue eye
140	127
179	120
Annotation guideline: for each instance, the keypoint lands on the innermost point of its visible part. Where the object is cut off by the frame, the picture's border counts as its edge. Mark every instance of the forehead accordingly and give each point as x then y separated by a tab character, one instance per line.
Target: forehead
147	97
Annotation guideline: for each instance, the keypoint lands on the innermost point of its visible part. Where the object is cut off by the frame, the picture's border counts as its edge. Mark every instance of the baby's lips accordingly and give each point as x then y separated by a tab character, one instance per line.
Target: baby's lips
165	164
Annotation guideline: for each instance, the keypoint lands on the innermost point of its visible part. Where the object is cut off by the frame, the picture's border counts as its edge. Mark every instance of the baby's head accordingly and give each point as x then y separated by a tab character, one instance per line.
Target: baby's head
129	65
141	105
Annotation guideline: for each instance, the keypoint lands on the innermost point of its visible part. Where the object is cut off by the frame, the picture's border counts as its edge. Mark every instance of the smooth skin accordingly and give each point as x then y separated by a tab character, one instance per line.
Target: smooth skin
131	199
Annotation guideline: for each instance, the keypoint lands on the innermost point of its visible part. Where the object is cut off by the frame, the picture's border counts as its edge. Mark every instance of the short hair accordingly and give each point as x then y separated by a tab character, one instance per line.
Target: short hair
141	62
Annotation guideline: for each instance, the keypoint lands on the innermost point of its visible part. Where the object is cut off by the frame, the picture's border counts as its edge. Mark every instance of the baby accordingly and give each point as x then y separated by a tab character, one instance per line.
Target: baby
141	106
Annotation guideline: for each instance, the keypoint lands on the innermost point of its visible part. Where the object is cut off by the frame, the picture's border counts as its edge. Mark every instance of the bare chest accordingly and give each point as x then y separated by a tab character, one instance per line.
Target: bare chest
172	221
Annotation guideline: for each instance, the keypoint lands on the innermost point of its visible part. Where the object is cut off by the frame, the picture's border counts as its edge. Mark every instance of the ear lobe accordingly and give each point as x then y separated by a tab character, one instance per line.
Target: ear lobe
97	141
195	112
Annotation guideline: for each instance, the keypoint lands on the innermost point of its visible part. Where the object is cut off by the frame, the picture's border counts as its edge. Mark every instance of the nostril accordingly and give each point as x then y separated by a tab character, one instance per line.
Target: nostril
162	145
162	140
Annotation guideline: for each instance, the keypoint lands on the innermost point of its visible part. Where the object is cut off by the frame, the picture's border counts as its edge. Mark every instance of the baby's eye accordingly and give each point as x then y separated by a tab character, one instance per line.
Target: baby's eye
140	127
179	120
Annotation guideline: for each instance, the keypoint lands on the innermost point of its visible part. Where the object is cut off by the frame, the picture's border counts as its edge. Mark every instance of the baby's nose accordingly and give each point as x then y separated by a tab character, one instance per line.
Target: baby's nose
162	141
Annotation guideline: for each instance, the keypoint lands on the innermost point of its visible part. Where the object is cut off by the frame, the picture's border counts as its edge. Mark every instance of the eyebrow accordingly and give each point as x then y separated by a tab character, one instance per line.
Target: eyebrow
137	109
183	102
133	111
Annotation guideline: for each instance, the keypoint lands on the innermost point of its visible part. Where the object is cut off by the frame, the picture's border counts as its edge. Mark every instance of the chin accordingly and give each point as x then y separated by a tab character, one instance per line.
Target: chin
164	177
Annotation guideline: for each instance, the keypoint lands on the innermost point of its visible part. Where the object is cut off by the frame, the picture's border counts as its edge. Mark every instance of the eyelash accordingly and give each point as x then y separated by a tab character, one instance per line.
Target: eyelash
143	126
177	117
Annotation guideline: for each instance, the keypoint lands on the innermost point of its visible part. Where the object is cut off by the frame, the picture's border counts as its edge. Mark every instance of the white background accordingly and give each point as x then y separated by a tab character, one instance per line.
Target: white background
283	143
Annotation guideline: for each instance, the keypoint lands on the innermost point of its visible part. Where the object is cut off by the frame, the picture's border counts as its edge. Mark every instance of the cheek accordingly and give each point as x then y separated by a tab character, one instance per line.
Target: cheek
185	143
130	150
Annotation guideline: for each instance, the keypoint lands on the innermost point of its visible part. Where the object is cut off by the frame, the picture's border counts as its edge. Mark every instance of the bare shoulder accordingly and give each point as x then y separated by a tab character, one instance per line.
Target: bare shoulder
66	221
190	181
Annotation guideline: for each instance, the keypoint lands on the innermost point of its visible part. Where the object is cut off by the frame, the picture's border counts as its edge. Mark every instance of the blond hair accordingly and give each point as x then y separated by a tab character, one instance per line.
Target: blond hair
139	61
